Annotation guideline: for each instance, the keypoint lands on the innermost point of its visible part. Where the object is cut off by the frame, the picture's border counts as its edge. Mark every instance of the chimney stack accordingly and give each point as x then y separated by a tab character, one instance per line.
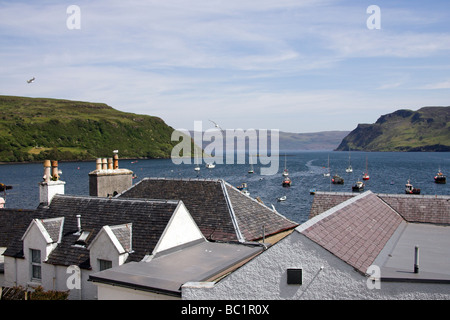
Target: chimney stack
51	184
107	179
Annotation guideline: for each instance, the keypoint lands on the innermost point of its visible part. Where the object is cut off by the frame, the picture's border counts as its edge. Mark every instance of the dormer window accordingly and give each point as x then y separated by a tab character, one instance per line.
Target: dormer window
83	238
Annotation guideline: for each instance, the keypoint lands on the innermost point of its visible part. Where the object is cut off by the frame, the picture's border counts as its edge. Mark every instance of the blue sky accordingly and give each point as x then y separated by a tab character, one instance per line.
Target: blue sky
292	65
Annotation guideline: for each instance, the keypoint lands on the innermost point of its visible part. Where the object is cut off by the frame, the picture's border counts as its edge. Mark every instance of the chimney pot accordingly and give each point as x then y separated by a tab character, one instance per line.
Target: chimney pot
79	222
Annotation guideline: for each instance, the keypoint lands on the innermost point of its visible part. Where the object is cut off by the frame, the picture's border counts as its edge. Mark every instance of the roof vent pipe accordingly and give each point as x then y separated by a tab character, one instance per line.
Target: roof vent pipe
79	223
416	259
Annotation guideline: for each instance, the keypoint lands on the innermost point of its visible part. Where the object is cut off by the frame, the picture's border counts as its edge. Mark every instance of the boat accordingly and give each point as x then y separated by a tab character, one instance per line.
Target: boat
286	182
349	168
210	165
312	191
327	174
409	189
285	171
366	174
4	187
251	165
358	186
440	177
197	168
337	179
283	198
243	189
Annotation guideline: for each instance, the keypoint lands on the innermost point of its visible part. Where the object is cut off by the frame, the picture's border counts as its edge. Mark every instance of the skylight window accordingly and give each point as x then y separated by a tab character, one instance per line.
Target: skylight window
83	238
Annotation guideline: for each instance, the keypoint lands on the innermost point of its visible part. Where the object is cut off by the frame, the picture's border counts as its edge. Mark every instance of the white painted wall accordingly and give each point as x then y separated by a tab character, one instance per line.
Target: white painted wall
265	278
181	229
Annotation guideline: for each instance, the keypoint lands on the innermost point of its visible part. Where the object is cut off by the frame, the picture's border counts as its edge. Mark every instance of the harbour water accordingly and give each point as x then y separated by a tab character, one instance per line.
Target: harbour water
389	171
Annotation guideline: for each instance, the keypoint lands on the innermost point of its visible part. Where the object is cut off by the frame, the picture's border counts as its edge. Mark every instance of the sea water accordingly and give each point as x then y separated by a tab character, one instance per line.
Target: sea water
389	171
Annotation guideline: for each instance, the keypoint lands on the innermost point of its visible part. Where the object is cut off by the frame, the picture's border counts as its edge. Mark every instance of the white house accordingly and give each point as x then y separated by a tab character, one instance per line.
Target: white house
84	235
359	249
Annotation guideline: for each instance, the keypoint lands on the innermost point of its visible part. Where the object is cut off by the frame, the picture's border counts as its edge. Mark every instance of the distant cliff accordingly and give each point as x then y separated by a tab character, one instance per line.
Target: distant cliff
33	129
427	129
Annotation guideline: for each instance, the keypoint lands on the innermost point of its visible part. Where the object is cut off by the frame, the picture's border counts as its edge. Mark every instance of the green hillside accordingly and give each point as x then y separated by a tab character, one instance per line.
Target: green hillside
34	129
427	129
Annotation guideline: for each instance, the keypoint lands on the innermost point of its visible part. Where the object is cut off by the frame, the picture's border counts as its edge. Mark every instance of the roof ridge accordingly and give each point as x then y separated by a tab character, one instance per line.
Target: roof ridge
95	198
231	211
331	211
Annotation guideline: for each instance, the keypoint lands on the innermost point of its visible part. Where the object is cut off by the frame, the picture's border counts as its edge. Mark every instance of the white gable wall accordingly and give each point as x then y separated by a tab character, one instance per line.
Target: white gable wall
181	229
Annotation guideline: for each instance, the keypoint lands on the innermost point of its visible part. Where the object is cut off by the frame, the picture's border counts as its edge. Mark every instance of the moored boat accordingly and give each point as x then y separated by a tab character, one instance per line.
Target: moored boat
358	186
337	179
286	182
409	189
440	177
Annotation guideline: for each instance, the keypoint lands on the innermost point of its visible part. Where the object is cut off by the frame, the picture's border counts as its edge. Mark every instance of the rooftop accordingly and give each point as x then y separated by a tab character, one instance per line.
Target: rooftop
365	230
220	210
166	273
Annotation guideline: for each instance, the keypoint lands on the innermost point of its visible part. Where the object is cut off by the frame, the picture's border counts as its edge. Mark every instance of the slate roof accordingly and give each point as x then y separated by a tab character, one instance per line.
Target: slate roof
222	212
356	230
13	221
413	208
149	218
365	230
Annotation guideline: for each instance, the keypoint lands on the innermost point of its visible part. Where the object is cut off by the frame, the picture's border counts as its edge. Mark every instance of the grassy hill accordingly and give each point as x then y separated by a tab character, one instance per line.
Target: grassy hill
34	129
427	129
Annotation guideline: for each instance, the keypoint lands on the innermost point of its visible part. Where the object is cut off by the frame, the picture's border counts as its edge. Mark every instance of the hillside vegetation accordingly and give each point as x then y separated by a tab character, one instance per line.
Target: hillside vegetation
427	129
34	129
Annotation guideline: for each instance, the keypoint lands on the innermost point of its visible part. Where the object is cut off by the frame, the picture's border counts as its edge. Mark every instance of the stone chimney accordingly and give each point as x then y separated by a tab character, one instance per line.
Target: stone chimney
107	180
51	184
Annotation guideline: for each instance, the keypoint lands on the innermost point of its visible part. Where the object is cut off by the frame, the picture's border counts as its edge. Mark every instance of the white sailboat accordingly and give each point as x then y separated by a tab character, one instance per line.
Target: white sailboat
349	168
285	172
327	174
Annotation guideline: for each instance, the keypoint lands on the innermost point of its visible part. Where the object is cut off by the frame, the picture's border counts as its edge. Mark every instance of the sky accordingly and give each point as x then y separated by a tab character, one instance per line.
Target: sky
292	65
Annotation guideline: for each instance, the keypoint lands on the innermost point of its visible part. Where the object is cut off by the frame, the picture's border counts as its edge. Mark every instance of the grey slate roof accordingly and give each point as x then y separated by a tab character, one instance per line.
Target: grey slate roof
13	221
149	218
221	211
365	230
413	208
355	231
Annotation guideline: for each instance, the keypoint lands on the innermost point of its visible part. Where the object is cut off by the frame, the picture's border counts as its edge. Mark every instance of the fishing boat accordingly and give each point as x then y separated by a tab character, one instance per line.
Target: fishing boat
366	174
283	198
286	182
210	165
440	177
409	189
358	186
337	179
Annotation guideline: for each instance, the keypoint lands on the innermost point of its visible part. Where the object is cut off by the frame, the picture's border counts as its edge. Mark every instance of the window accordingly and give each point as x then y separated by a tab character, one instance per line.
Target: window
35	265
104	264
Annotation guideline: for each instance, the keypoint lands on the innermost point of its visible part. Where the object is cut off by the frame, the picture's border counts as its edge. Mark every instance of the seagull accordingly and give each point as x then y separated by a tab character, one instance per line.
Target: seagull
31	80
216	125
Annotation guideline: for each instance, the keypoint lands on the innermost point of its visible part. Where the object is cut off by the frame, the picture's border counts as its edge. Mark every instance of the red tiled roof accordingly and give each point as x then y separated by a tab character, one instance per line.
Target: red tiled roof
354	231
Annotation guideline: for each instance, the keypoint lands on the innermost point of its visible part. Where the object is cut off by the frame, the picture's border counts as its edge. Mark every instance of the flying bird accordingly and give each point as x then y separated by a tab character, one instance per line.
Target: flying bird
216	125
31	80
